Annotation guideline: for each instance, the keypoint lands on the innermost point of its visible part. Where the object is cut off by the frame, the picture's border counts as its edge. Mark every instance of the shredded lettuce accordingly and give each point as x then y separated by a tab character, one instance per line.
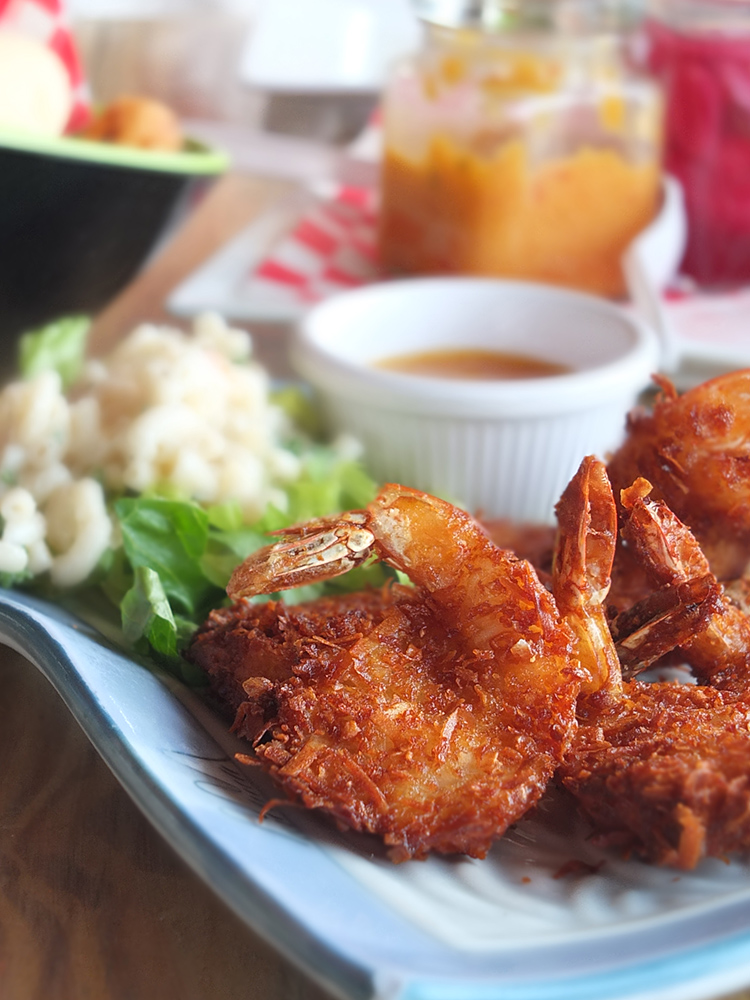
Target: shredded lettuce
169	538
146	611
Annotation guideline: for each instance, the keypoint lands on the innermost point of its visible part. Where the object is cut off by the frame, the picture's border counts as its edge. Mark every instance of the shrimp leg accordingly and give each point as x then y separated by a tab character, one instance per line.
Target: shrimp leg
664	621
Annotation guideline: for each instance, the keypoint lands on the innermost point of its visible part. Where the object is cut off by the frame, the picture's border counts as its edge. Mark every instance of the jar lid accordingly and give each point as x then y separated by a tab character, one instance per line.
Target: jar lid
502	15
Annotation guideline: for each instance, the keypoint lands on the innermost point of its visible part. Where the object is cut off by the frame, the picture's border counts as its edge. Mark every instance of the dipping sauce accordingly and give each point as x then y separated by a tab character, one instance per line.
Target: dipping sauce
471	363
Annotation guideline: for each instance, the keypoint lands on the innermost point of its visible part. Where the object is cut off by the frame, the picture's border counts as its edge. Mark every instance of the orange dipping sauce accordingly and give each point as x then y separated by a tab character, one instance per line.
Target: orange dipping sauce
470	363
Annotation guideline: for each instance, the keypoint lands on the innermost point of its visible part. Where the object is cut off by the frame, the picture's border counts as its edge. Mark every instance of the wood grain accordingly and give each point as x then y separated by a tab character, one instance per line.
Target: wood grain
94	905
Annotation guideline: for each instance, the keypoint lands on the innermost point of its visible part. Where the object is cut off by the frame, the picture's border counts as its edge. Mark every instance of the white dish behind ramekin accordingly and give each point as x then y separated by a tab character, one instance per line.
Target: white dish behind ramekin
501	448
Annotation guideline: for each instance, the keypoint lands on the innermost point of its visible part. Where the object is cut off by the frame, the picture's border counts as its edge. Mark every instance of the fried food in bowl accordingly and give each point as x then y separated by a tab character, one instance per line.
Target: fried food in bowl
142	122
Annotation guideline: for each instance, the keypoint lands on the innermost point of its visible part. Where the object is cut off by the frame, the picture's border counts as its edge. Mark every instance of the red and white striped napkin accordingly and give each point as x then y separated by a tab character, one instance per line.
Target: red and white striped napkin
331	248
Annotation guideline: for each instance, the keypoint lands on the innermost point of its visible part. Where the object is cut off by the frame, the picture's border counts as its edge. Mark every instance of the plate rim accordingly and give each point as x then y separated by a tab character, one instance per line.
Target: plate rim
691	970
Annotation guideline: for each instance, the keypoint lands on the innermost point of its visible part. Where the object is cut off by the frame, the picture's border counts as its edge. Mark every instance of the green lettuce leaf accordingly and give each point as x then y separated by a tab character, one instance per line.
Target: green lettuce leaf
147	615
177	557
299	407
58	346
170	538
146	611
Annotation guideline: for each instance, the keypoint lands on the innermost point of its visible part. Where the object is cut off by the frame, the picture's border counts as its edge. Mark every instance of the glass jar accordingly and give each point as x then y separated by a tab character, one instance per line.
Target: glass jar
700	49
519	142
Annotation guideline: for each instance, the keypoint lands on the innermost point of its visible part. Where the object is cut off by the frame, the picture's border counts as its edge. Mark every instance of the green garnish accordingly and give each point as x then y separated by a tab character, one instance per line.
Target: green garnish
174	556
58	346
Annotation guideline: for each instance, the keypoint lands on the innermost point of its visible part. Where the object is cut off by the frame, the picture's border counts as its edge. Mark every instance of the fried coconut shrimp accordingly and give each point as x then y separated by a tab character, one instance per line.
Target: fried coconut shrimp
717	642
661	769
695	450
271	639
431	715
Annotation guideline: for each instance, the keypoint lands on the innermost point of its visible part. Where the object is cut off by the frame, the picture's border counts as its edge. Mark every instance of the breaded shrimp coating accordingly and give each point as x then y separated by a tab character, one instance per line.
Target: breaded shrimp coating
695	451
438	724
665	772
660	769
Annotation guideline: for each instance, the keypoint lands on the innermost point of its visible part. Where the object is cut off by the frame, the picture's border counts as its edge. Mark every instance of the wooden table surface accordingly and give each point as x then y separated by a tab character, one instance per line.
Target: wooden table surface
94	905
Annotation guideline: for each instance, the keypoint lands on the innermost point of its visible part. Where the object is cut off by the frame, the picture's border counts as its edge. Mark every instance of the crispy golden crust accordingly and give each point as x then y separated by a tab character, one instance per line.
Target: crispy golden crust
434	719
664	772
695	450
387	722
269	640
535	542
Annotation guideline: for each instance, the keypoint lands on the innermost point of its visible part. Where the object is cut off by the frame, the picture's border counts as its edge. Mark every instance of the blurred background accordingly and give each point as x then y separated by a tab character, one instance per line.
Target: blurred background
597	144
293	66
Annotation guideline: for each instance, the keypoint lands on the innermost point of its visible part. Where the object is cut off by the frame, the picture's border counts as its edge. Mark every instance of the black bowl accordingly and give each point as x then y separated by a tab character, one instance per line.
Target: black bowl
78	219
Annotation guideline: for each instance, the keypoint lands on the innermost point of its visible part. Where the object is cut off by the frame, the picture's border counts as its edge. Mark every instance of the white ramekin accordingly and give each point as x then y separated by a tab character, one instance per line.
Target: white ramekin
501	448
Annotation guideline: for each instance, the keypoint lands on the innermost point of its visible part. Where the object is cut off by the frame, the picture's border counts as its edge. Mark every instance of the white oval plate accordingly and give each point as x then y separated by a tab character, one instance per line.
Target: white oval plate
545	917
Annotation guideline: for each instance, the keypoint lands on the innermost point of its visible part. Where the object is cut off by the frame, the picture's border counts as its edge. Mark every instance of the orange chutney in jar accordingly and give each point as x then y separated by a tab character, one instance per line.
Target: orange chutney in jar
506	164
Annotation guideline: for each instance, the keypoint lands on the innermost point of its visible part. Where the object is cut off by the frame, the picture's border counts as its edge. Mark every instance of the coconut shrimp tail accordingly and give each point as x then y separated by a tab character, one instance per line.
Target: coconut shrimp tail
433	716
715	634
584	553
306	553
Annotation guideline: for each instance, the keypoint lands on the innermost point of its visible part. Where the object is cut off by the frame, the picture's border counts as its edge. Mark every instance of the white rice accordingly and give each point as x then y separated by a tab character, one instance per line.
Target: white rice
189	413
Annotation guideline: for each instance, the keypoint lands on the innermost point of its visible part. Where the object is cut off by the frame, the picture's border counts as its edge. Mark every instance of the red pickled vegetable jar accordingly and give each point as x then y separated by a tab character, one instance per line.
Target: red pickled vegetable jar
700	50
